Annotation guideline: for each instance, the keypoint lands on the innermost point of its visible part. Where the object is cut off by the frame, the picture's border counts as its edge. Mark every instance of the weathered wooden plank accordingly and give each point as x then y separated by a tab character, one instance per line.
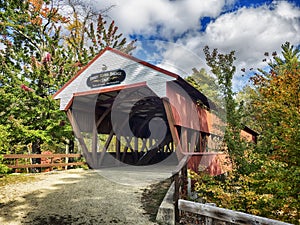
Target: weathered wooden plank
35	156
45	165
203	153
225	214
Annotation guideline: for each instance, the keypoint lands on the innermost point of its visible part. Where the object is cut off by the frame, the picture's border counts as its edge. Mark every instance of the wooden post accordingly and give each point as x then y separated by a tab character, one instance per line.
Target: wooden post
193	140
136	147
118	147
16	170
177	183
176	196
67	152
51	162
124	153
173	129
144	145
95	145
184	139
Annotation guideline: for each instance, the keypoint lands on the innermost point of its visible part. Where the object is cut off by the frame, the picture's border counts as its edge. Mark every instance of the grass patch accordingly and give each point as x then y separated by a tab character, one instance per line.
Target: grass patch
153	196
16	178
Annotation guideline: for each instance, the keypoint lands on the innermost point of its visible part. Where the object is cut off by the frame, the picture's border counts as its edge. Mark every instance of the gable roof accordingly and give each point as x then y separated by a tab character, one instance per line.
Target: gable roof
130	57
139	73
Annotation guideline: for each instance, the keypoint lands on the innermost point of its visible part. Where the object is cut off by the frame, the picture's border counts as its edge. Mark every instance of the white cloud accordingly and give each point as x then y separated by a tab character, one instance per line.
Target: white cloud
254	30
172	17
250	31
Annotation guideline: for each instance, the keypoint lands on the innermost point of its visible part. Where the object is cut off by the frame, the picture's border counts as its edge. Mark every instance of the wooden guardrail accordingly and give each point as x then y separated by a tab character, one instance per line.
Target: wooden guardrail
179	177
50	165
217	215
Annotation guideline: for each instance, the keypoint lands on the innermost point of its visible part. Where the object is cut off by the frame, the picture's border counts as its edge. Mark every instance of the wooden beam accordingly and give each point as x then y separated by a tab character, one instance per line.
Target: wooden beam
128	146
20	166
193	140
111	89
36	156
147	156
118	148
79	136
144	146
95	145
124	153
174	133
225	214
107	143
136	149
99	121
184	139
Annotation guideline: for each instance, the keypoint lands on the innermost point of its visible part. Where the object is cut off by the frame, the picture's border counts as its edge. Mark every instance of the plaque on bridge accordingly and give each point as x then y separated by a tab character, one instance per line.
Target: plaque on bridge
106	78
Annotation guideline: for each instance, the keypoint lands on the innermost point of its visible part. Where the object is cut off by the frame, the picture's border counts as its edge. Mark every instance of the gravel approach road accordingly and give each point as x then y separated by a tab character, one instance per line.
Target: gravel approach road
72	197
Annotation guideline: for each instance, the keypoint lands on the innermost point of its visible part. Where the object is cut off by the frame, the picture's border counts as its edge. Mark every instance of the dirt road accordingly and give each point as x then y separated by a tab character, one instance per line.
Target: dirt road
72	197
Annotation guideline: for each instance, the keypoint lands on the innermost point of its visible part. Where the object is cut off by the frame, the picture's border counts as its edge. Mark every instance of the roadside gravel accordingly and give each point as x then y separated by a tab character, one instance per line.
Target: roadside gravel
72	197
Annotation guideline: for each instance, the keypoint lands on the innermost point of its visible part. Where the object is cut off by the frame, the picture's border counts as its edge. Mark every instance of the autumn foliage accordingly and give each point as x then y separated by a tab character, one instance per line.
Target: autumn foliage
266	181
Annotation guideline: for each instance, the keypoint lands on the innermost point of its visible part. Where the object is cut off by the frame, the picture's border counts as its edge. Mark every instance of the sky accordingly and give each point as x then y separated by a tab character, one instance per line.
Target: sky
173	33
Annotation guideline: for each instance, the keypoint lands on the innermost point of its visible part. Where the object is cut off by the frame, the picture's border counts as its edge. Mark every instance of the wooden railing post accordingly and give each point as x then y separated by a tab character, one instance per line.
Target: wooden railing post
176	195
51	161
179	176
17	164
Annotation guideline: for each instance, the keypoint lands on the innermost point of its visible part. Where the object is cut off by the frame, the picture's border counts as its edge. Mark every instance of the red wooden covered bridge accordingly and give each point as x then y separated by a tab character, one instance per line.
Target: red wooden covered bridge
125	110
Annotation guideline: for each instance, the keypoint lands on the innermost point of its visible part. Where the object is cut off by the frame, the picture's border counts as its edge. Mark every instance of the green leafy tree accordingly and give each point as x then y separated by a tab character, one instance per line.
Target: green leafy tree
205	83
37	57
222	66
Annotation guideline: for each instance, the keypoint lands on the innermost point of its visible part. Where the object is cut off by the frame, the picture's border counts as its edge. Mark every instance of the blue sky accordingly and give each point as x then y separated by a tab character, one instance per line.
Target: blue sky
172	33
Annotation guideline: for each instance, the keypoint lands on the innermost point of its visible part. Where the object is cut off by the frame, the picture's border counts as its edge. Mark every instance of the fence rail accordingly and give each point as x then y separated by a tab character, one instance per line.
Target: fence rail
225	215
50	164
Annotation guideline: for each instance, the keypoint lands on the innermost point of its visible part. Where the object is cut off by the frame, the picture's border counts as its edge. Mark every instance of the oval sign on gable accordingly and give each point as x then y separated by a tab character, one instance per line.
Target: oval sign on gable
106	78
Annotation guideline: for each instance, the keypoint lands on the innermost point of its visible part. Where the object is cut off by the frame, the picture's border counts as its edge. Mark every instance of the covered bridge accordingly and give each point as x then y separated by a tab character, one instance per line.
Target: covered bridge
125	110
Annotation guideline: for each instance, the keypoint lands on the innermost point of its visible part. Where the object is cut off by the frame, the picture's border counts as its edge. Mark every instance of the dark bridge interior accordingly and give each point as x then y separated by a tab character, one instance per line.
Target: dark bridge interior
131	125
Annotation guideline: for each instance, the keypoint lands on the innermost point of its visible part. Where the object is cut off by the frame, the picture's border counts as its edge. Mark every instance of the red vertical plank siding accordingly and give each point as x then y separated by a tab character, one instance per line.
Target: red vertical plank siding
184	109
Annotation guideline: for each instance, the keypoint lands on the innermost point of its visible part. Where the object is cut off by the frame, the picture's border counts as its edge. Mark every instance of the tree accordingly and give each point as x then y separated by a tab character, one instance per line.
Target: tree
205	83
269	187
277	111
222	66
37	58
277	106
